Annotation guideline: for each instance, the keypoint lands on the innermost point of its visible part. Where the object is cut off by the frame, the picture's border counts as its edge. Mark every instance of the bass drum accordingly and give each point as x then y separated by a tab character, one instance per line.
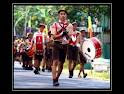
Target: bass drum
92	48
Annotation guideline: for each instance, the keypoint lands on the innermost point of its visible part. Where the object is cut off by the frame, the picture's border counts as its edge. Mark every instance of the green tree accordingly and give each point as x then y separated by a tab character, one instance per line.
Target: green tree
25	14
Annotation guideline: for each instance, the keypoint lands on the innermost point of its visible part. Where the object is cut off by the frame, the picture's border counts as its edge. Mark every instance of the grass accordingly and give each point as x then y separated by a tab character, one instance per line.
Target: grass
98	75
91	73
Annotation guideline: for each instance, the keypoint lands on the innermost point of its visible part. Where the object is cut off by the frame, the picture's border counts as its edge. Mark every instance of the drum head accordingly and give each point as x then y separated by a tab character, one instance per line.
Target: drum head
88	49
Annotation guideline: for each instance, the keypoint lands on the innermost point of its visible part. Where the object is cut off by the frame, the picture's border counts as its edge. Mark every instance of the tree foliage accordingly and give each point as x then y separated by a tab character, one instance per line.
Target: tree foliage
47	14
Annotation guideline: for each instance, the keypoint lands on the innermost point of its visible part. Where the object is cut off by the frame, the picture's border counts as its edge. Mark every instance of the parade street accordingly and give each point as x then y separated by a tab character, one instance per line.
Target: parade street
26	79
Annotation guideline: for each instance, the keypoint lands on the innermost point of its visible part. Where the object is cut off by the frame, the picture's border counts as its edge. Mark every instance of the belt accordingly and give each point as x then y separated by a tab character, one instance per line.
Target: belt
64	44
58	42
73	45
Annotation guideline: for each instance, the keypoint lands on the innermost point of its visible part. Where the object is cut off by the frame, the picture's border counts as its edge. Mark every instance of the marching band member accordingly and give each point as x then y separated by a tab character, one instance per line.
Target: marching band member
44	60
29	52
17	46
24	55
38	43
59	33
47	60
49	49
82	59
73	49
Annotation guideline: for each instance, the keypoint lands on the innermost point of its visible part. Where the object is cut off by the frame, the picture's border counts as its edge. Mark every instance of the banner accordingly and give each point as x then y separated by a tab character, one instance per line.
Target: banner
90	30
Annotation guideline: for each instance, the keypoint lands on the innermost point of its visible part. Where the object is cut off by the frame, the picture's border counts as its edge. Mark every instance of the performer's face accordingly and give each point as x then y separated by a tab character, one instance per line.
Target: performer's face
30	36
41	28
74	27
83	34
62	16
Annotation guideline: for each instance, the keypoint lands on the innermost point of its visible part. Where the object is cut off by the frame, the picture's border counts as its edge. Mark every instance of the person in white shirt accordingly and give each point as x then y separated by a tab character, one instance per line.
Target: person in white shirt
73	49
38	43
82	59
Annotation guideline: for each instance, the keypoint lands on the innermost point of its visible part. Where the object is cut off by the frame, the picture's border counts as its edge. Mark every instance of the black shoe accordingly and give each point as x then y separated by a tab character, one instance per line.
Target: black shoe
36	72
30	68
55	83
85	75
43	70
49	70
38	69
23	66
26	68
70	74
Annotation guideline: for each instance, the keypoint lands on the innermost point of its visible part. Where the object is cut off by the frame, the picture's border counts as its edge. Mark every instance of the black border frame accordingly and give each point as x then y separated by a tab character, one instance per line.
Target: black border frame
110	48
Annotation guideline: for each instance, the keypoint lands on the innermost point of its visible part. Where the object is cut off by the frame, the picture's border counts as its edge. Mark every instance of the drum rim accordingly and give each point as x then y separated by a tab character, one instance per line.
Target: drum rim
100	47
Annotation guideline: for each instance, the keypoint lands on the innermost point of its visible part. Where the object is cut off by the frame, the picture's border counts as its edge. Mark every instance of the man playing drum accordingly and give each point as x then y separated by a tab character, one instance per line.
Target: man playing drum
82	59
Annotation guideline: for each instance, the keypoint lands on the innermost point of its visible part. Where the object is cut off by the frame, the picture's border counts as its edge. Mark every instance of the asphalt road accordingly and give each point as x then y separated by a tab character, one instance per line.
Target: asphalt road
26	79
